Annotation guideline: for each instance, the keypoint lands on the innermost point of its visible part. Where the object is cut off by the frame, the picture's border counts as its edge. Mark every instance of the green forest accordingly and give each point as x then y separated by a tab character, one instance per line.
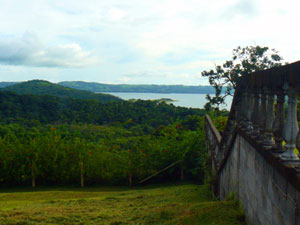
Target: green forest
6	84
41	87
48	137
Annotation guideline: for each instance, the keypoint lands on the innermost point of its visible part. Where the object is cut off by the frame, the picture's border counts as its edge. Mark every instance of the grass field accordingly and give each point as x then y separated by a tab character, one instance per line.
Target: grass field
168	204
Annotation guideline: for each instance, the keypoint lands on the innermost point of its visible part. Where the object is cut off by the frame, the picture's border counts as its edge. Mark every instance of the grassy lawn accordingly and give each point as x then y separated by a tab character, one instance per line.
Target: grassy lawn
168	204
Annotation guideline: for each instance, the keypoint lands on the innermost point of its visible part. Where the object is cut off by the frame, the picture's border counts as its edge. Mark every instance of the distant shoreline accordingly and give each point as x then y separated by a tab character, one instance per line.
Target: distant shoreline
189	100
139	88
130	88
136	92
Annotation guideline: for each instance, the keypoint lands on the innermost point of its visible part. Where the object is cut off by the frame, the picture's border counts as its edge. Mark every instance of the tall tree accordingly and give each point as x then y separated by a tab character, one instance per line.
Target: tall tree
244	61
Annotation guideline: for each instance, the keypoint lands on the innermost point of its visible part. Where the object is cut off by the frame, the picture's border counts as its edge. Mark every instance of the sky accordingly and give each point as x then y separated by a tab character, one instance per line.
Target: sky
138	41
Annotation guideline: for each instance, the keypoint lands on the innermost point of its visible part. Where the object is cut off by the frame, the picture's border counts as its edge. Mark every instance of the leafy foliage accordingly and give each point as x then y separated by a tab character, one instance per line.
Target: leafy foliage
50	109
55	141
244	61
109	154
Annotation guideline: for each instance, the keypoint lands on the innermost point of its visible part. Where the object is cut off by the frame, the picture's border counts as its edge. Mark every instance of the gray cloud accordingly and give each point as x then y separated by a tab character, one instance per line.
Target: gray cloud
30	51
242	7
128	36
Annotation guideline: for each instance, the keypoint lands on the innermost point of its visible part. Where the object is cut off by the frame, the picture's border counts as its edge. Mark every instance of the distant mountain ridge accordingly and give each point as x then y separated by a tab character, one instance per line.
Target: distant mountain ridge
6	84
42	87
139	88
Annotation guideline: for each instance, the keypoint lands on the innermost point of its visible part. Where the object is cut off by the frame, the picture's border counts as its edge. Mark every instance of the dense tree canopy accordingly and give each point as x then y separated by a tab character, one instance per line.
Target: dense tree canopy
50	109
51	154
42	87
59	140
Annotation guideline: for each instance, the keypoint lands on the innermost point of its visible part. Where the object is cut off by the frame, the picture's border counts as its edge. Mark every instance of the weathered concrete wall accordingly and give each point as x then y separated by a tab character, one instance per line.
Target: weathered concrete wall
267	186
213	139
265	175
266	194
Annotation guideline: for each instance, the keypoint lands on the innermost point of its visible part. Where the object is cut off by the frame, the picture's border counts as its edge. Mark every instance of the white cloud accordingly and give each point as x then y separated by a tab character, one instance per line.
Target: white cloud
30	51
173	38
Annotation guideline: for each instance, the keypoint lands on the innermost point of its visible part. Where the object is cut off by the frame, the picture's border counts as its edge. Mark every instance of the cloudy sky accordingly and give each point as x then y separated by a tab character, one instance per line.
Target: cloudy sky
138	41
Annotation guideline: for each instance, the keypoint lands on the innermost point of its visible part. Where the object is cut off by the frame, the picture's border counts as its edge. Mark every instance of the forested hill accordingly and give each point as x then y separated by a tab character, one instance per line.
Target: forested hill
140	88
41	87
6	84
50	109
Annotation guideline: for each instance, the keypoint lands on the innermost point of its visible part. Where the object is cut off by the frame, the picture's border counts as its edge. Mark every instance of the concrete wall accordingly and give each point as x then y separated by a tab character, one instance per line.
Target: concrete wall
265	194
213	139
268	187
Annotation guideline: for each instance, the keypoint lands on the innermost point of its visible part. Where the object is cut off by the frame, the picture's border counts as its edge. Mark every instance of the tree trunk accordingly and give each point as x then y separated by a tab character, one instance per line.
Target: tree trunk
130	179
32	175
181	172
81	174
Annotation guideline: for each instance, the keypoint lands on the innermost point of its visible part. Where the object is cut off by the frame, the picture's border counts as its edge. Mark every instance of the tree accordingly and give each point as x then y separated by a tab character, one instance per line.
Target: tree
244	61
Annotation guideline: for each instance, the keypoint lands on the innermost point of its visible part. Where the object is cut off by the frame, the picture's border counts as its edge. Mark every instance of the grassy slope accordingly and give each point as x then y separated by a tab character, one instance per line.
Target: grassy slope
175	204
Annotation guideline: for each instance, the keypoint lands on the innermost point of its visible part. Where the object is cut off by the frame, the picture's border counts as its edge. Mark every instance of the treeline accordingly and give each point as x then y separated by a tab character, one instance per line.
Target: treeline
51	140
93	154
50	109
6	84
139	88
41	87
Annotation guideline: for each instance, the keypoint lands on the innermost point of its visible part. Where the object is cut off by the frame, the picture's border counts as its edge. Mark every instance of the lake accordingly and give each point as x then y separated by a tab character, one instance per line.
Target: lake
185	100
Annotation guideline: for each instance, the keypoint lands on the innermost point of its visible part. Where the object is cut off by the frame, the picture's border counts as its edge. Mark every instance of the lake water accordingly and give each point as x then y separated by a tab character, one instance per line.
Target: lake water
185	100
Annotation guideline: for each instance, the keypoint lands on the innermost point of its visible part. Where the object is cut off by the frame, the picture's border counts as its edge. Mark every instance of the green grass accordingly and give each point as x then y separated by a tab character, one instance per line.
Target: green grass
168	204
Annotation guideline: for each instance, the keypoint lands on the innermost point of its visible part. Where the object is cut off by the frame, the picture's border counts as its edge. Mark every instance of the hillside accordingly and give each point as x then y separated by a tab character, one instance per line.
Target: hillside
139	88
6	84
41	87
49	109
